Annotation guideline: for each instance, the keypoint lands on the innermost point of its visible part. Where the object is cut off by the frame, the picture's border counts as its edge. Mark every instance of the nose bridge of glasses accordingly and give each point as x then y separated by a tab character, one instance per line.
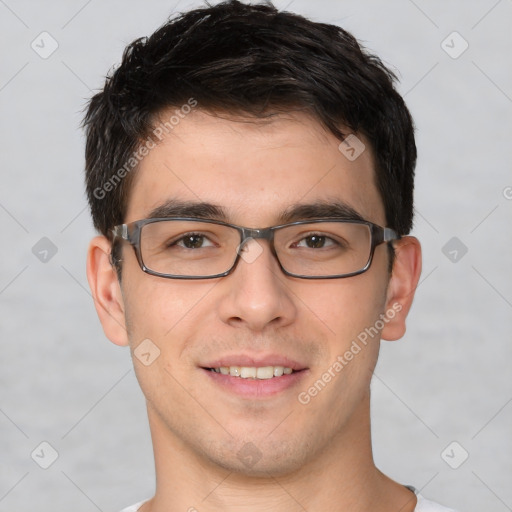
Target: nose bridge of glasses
262	234
249	234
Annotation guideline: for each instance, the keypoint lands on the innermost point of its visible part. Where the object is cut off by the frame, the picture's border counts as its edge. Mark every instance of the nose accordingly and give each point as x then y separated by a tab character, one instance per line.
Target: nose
256	295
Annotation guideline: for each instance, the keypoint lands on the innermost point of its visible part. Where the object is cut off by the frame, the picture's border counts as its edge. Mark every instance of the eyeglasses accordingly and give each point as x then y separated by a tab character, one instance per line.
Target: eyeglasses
190	248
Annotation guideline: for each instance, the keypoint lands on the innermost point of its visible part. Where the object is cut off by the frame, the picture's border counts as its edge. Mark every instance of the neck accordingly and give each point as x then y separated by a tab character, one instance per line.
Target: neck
342	478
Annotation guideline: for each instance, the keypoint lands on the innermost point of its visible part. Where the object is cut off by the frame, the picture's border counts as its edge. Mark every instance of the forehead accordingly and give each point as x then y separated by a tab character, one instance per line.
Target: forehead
254	170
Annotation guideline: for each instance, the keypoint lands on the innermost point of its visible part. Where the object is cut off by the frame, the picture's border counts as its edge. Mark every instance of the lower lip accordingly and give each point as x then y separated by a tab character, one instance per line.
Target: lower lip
256	388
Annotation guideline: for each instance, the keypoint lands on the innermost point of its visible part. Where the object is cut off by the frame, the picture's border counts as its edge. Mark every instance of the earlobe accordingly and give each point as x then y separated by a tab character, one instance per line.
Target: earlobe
402	286
106	291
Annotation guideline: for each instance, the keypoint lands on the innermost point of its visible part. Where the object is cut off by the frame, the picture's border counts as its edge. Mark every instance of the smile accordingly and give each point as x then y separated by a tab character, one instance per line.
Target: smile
253	372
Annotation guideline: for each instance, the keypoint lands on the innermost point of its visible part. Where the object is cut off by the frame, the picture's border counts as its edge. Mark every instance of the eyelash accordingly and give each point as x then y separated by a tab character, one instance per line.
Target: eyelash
176	241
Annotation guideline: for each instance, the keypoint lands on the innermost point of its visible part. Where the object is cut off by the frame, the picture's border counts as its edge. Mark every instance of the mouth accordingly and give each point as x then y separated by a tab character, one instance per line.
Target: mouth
254	372
253	378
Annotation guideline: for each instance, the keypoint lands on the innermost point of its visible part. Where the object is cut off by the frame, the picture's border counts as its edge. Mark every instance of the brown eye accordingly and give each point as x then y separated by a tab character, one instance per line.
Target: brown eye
315	241
193	241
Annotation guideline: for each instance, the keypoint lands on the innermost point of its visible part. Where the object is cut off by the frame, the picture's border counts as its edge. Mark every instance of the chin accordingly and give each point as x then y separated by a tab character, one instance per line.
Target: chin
258	459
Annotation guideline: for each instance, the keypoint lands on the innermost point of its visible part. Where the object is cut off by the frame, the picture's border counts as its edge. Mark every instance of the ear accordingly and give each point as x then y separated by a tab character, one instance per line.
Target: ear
402	286
106	290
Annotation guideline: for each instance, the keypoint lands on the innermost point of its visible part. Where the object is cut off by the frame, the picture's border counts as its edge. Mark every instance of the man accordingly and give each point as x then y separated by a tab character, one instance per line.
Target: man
251	175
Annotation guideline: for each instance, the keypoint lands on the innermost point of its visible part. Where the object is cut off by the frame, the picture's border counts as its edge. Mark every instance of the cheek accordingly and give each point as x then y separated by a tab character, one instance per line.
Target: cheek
161	317
157	307
346	306
350	308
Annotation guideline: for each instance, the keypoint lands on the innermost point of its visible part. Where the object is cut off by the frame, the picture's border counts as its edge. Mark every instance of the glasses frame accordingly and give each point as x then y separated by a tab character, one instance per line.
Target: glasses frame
131	233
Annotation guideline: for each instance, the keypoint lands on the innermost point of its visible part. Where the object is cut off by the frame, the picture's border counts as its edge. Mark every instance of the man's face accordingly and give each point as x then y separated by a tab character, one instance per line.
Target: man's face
254	172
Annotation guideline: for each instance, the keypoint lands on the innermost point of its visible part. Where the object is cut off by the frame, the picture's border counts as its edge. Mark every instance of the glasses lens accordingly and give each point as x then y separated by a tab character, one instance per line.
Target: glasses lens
188	248
202	249
324	248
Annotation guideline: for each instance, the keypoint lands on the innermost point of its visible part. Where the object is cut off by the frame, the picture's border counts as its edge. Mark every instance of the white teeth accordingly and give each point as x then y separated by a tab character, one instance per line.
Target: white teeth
278	371
265	372
252	372
248	371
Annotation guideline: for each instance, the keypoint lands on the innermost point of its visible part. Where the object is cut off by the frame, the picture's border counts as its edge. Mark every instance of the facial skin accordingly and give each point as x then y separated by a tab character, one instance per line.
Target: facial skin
315	455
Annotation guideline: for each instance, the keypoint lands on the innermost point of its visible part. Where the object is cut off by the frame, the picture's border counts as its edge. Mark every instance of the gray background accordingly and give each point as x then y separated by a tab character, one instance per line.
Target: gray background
448	380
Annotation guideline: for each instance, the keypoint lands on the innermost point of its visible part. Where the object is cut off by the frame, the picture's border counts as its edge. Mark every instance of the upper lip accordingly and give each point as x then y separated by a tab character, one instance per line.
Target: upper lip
255	361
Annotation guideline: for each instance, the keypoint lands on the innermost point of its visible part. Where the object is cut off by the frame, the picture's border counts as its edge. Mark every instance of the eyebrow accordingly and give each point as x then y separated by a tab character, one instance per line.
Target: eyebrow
178	208
326	209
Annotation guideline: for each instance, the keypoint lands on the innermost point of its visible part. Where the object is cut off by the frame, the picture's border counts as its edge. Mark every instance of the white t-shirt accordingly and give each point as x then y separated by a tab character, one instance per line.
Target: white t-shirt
423	504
